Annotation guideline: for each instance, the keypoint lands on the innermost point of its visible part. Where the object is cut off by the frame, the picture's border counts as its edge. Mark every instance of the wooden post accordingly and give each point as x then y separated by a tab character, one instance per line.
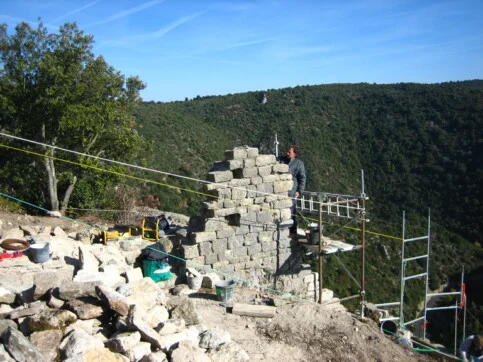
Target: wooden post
363	261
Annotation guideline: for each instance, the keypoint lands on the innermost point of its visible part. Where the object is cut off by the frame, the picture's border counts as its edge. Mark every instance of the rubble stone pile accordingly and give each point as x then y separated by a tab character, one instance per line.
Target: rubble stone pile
91	302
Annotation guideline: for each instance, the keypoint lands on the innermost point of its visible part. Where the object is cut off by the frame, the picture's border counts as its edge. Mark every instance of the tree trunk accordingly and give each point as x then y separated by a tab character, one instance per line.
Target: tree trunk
68	193
51	180
51	176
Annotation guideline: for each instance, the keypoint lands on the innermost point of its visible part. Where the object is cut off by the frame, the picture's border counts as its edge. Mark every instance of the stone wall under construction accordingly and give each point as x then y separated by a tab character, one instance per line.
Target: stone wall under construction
243	227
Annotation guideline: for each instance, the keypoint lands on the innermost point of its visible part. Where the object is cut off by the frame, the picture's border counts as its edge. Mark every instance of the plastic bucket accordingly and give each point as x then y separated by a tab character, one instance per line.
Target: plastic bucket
224	290
314	236
194	282
40	253
156	270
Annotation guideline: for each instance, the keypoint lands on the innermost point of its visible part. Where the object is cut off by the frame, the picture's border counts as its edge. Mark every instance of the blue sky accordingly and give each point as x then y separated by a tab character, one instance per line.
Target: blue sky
185	48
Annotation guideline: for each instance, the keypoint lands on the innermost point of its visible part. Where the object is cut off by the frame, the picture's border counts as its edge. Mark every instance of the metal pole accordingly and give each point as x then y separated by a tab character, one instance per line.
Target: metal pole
276	146
401	305
427	273
463	300
455	327
321	257
363	262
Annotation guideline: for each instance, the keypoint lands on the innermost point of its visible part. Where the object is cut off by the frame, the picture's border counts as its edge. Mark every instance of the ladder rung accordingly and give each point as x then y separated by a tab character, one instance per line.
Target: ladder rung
415	239
441	308
416	257
415	320
442	294
387	304
416	276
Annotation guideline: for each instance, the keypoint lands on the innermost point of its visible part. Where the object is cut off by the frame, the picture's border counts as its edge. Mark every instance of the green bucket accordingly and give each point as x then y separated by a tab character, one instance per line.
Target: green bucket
224	290
153	269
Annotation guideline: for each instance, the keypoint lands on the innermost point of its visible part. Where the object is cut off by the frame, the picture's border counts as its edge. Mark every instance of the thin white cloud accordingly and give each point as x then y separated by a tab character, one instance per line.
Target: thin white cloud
78	10
248	43
153	35
233	6
163	31
127	12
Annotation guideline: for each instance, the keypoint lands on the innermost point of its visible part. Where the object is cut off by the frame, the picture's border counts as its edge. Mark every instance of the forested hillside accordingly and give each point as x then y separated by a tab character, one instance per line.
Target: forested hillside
420	146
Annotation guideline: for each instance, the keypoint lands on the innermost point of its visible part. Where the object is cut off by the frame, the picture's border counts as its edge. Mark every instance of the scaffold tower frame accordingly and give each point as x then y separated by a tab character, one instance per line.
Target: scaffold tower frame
351	207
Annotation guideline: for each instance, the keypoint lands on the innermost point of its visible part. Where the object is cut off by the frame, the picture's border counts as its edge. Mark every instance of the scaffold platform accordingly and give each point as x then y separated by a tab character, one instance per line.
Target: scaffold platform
329	246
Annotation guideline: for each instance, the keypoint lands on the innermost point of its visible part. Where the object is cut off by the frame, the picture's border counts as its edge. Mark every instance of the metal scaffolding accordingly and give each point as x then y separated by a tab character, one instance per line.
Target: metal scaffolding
405	262
352	207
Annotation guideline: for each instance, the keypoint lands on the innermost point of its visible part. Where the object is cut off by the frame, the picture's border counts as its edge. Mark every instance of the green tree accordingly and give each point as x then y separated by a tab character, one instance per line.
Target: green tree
56	91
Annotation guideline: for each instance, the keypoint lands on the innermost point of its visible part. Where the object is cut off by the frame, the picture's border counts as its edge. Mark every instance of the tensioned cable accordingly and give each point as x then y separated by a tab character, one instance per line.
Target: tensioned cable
421	344
146	180
306	218
104	210
129	176
236	277
48	211
151	170
136	178
347	271
146	168
131	165
338	259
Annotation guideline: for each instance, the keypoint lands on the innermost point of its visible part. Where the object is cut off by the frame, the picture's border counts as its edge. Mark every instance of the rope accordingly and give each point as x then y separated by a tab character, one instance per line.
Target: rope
48	211
143	179
118	163
425	349
244	281
348	272
205	267
148	180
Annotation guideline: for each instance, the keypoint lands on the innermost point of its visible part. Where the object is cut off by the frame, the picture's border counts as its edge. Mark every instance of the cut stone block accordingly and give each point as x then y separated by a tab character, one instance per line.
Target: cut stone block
191	251
264	160
200	236
245	172
234	164
236	154
280	168
265	170
282	186
220	176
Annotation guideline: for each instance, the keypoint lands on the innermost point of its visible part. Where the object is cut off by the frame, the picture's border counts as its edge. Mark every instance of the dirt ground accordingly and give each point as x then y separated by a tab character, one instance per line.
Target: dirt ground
302	332
299	331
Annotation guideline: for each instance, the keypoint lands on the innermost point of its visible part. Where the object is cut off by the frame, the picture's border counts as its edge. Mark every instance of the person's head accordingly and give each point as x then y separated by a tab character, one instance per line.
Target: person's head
476	348
293	151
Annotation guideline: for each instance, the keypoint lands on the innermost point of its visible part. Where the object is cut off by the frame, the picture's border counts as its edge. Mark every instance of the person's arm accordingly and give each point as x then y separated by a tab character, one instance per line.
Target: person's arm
301	179
464	348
